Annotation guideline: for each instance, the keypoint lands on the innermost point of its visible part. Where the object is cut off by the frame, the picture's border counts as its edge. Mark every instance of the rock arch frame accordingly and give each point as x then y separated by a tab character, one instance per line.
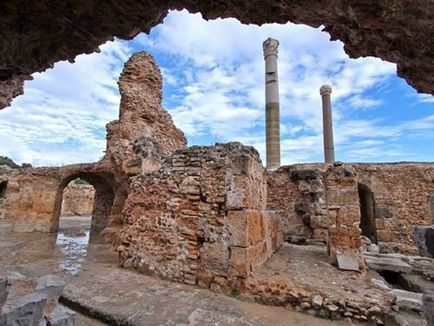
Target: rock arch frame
36	37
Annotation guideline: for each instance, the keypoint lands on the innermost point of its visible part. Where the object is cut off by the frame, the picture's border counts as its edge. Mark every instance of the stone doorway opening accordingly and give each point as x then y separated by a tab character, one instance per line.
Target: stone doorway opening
3	186
83	204
76	211
367	216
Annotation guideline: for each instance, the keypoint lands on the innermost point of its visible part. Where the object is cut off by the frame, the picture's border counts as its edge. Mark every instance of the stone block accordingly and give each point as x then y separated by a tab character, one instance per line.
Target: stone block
408	300
3	287
259	253
319	221
320	234
428	307
25	310
245	227
393	264
333	197
51	286
240	265
347	263
380	223
349	196
61	316
384	235
423	237
246	192
215	257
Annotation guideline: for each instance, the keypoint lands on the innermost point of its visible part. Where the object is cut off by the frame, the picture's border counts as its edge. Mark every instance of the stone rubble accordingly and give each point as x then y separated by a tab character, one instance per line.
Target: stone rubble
34	303
408	300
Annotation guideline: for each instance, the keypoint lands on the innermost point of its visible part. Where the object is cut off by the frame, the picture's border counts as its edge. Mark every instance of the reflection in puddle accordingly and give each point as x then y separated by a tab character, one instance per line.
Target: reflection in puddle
75	251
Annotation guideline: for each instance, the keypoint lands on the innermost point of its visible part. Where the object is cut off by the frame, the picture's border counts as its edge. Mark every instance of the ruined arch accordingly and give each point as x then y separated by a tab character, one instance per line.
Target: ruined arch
396	31
105	191
367	215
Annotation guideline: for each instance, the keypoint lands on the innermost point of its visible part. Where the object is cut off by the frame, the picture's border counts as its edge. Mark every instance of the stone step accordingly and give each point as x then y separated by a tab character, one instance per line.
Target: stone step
381	263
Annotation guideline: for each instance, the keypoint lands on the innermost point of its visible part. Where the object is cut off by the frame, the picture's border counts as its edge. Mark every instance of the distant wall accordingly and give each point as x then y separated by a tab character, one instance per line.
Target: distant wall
402	197
78	199
402	194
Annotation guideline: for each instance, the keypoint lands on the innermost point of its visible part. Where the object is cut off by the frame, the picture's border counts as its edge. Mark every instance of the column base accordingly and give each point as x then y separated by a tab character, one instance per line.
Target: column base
272	167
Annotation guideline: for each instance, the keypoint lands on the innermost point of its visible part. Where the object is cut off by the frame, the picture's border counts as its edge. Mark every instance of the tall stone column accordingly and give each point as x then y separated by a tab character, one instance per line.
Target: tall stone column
329	151
272	115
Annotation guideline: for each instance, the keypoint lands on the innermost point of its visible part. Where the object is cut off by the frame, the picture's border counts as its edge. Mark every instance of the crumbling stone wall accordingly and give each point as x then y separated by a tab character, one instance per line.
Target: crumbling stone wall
33	196
296	193
309	200
145	134
142	138
402	193
78	199
201	219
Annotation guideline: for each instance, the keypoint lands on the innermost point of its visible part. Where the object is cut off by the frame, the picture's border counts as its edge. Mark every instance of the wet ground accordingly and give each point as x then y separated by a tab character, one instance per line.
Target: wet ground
96	285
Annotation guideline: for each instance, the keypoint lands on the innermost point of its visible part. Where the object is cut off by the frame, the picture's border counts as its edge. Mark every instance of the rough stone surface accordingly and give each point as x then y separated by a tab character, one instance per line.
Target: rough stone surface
308	204
394	30
424	240
428	307
77	200
381	263
347	263
408	300
142	138
61	316
145	134
51	286
3	287
26	310
201	218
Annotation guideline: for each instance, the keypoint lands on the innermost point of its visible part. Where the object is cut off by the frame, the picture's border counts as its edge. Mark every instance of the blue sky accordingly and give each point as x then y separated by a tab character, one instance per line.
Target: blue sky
214	88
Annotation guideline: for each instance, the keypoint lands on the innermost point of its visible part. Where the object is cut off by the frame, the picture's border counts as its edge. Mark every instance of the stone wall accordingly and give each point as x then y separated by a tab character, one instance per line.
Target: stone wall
33	196
78	199
402	193
308	201
142	138
201	219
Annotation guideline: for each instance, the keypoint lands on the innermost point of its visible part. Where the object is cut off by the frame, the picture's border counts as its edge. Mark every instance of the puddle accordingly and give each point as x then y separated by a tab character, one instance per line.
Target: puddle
75	251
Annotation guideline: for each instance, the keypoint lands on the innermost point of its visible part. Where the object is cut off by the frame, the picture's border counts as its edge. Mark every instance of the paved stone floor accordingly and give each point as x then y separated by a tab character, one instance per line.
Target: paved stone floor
119	296
307	269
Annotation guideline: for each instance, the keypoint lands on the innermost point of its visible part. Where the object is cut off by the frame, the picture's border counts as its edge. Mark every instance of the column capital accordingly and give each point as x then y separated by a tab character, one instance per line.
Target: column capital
325	90
270	46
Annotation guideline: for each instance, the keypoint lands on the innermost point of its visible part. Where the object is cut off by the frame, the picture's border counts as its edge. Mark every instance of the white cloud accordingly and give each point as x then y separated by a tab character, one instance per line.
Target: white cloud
214	88
61	118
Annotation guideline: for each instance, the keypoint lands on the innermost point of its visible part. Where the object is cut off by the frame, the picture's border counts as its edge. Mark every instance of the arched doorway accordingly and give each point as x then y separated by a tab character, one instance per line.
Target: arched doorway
3	186
367	220
104	195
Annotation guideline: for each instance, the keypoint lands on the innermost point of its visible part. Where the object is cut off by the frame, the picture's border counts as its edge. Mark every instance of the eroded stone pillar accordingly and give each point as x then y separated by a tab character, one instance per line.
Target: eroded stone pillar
329	151
272	115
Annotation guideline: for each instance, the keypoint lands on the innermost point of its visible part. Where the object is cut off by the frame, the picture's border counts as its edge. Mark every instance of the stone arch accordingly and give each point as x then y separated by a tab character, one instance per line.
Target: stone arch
367	215
103	202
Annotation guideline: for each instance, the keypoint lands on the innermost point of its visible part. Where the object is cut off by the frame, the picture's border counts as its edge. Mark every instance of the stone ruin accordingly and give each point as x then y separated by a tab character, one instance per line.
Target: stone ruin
213	216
